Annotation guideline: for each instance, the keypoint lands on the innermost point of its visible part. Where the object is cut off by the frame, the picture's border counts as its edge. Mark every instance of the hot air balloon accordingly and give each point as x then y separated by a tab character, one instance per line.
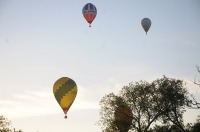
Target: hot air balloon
146	24
123	117
89	12
65	90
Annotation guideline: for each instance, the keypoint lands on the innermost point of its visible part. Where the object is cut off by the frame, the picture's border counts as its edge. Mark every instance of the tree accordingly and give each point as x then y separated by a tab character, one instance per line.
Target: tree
5	124
196	126
166	128
194	103
18	131
174	99
109	104
197	81
164	100
143	100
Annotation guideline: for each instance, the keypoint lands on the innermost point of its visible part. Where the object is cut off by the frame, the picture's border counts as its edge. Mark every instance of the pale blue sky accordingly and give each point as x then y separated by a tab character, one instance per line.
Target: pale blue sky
43	40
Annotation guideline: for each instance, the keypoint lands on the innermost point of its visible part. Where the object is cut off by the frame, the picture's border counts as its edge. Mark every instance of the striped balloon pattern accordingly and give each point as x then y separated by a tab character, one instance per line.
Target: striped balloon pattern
65	91
89	12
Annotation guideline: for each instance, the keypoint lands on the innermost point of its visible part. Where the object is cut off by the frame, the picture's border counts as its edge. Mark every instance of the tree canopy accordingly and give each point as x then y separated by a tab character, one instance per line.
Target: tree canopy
4	124
162	101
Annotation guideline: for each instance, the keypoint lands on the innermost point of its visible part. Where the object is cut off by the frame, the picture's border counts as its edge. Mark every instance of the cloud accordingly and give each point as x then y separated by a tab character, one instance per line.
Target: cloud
28	103
36	103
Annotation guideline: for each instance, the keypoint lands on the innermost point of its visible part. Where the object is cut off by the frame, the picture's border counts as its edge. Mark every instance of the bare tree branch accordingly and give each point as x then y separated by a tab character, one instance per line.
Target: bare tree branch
196	80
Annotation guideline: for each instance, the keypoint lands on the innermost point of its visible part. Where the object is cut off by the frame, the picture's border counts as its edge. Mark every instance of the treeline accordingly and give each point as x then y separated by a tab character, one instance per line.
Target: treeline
158	106
5	125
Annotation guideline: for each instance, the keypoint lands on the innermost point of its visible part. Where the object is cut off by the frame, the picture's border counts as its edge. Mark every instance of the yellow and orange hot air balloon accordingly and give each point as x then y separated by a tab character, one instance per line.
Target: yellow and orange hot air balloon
65	91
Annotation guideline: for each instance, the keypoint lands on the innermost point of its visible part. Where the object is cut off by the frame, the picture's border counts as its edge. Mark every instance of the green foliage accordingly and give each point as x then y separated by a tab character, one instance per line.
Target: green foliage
108	105
164	100
196	126
5	124
17	131
166	128
174	97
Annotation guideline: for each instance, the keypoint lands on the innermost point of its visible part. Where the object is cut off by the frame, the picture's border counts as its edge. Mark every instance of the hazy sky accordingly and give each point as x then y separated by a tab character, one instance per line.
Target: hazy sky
43	40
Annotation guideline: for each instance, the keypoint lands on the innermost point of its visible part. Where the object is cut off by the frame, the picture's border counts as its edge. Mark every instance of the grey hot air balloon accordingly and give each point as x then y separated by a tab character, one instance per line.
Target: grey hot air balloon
146	24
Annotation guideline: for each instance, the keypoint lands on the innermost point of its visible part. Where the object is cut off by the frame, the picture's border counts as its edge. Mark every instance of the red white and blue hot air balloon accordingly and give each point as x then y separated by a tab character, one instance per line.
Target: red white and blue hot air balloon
89	12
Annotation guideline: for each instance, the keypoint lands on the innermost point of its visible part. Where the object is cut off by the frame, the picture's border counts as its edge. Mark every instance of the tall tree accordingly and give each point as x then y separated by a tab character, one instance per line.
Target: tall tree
143	100
174	98
163	100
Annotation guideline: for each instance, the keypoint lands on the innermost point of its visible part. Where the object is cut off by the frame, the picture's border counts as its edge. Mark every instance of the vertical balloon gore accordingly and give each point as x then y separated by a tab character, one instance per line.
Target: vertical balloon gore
65	91
89	12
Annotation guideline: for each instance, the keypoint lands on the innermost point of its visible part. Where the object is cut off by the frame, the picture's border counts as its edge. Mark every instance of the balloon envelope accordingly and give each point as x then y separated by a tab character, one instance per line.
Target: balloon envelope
65	90
123	113
146	24
123	117
89	12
